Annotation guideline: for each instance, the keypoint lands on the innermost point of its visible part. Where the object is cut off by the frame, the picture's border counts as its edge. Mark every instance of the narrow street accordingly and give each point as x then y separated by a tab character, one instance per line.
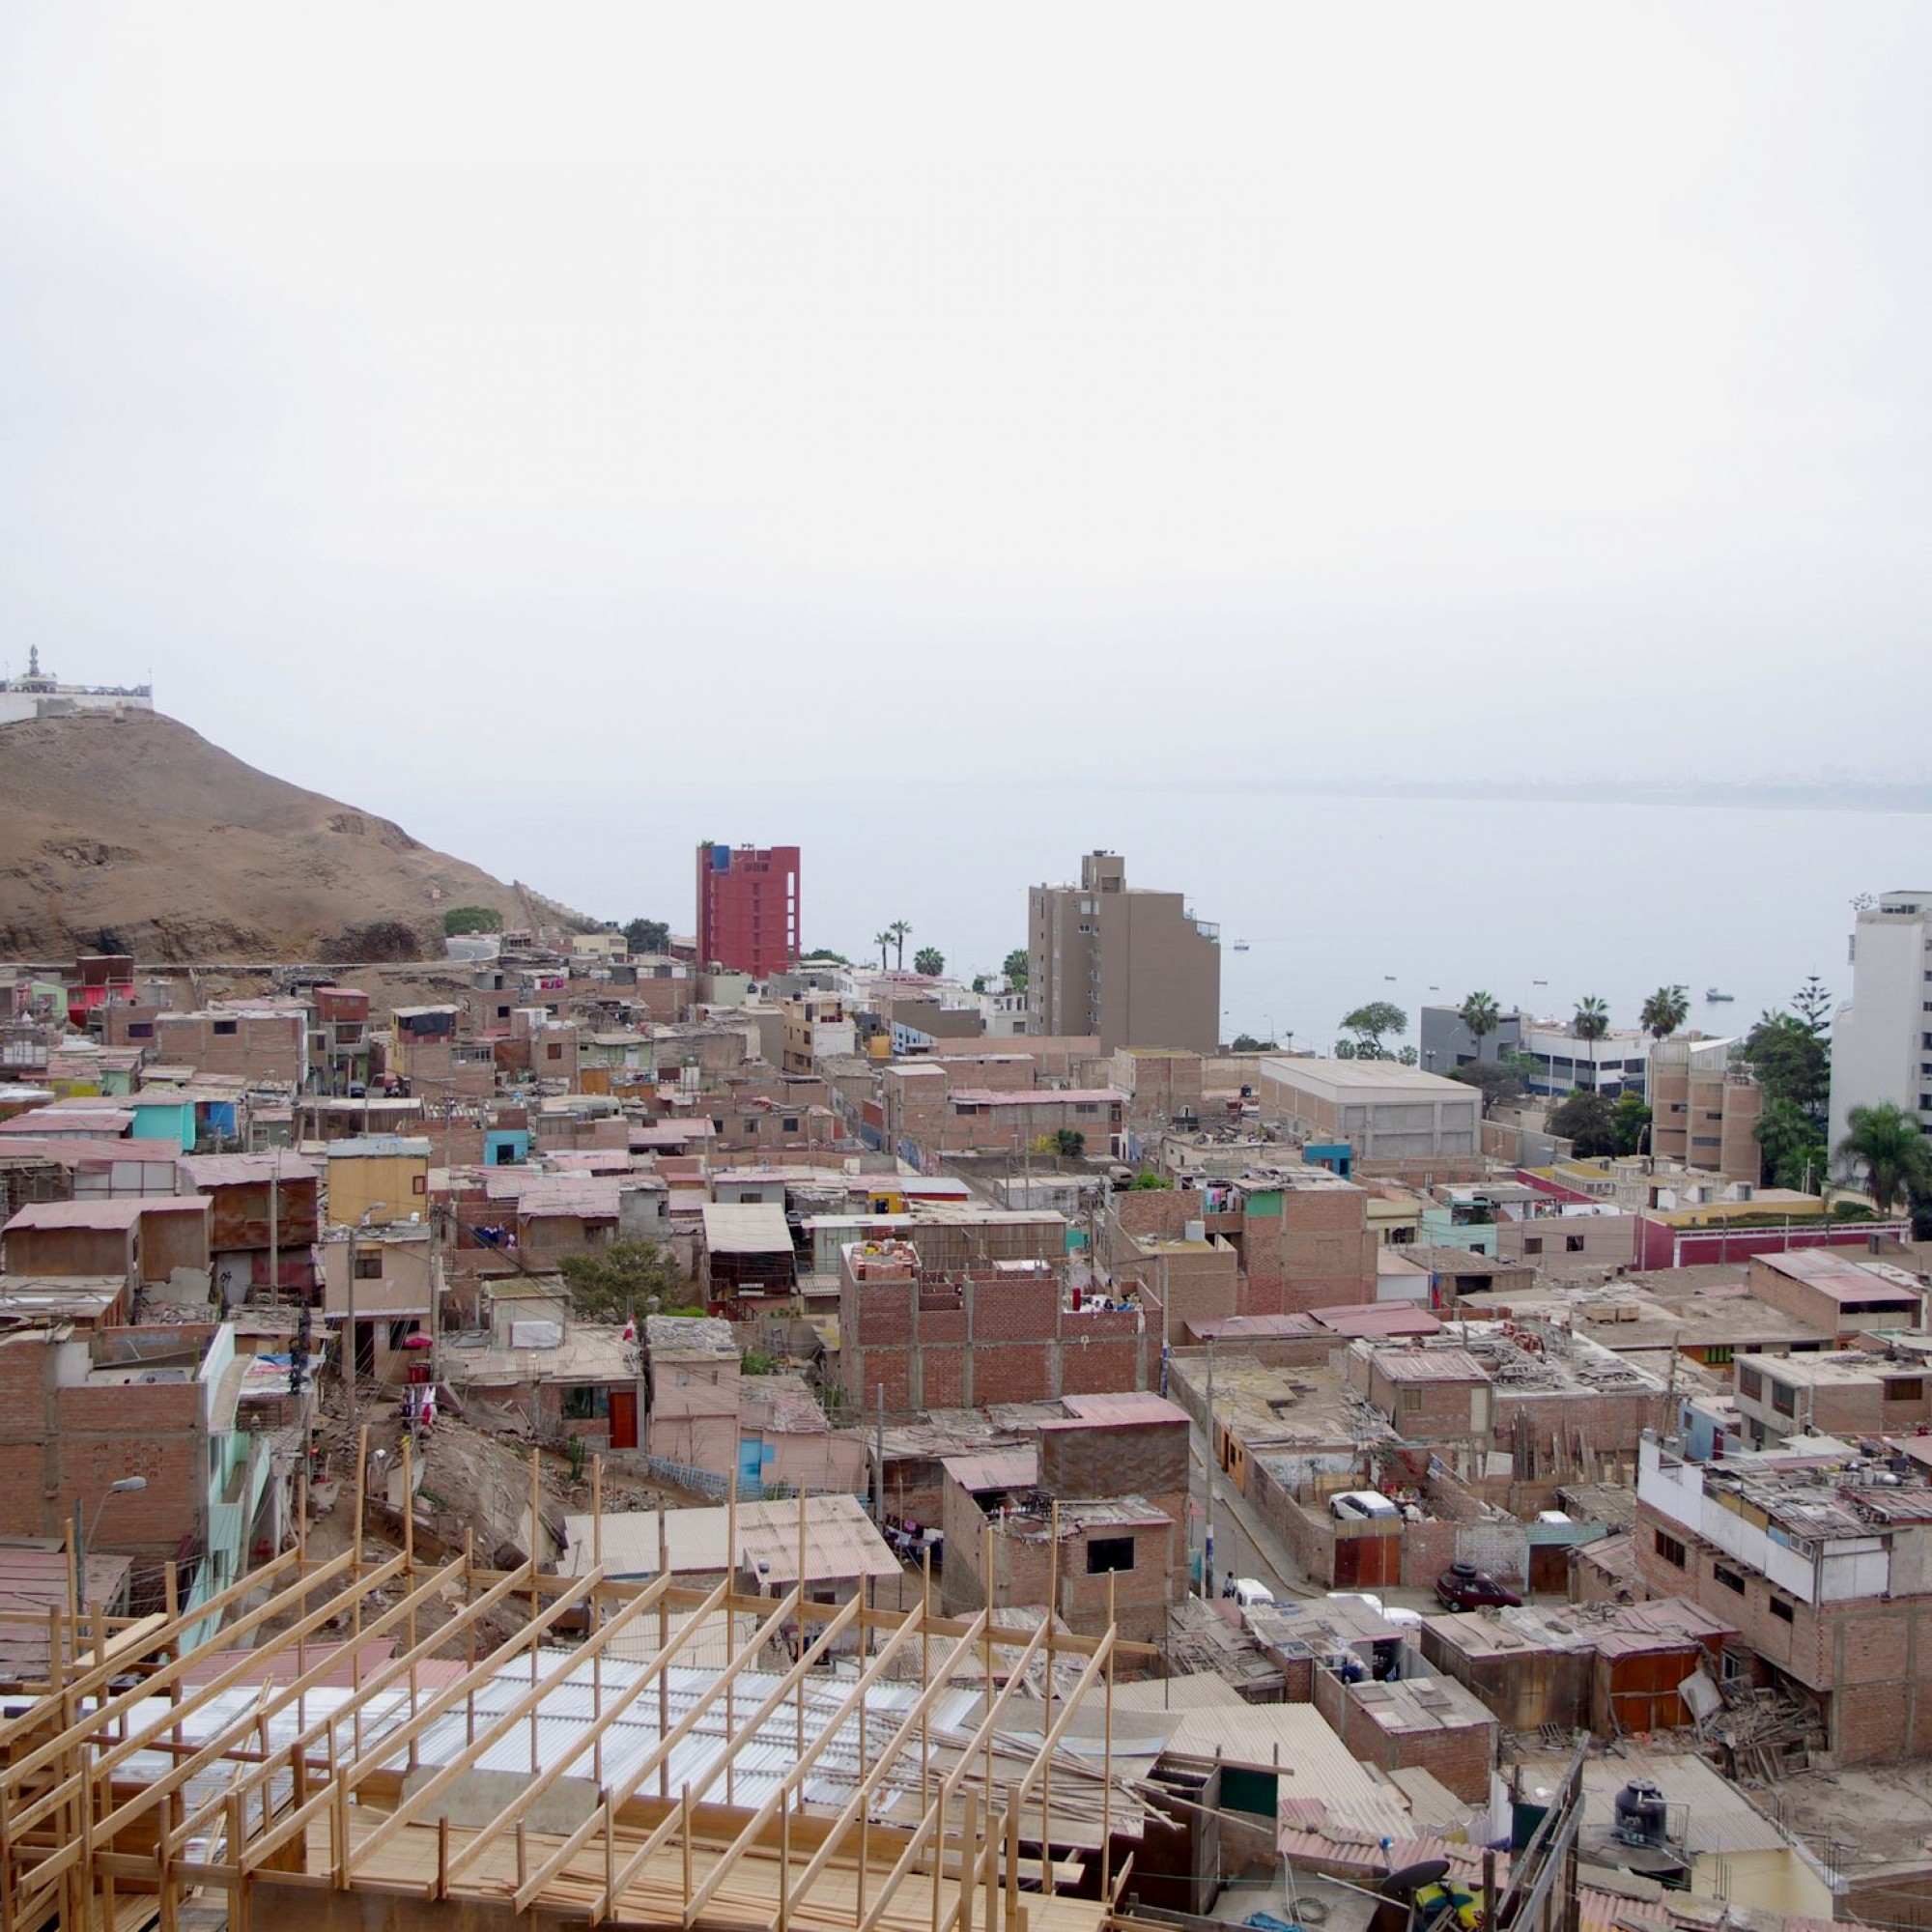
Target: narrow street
1242	1541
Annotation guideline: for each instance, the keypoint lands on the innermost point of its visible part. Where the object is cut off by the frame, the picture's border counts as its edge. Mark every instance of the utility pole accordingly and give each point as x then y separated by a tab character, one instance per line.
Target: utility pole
879	1468
1213	1463
276	1231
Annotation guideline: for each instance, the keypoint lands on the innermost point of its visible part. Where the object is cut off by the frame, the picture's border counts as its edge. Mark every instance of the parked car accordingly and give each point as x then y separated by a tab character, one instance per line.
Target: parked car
1250	1592
1464	1587
1361	1503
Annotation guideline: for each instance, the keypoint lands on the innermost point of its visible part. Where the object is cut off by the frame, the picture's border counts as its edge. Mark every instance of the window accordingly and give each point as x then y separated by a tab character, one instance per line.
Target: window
1728	1577
1109	1552
1085	1107
1781	1609
140	1029
224	1027
1670	1548
399	1335
368	1266
1717	1354
1751	1383
1411	1402
1905	1388
583	1404
1573	1244
1532	1244
791	1124
555	1049
1783	1398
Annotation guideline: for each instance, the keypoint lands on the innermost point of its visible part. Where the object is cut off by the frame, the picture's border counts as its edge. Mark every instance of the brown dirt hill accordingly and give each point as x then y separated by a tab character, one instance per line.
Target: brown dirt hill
137	832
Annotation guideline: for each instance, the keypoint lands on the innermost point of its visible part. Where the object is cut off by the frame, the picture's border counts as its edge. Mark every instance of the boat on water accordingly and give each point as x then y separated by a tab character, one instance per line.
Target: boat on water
1716	998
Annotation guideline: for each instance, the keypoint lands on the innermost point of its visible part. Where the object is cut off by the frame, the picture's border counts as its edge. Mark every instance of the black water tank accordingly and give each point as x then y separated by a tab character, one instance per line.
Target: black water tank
1640	1814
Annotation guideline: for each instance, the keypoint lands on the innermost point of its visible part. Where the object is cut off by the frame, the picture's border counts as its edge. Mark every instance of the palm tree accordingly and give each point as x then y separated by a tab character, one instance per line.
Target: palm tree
884	942
898	929
1886	1142
1591	1023
1481	1014
1665	1011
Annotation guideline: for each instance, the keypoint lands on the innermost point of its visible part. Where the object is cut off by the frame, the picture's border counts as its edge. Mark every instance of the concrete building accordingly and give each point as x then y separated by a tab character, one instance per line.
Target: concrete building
1554	1059
1882	1039
1133	966
1703	1114
748	908
1383	1110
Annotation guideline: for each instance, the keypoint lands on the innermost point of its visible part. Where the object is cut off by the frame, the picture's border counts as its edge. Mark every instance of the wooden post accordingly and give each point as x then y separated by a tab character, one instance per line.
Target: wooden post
799	1580
664	1639
1046	1761
596	1521
536	1522
969	1836
992	1600
1107	1765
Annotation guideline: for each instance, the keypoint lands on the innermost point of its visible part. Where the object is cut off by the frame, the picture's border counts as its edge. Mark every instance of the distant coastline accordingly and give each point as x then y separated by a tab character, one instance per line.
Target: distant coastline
1815	795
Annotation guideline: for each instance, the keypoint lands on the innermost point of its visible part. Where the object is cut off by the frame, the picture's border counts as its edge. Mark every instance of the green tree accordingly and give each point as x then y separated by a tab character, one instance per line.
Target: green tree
1793	1145
1632	1124
1369	1024
900	929
647	935
1885	1142
929	960
1070	1142
1481	1014
1813	1004
1593	1018
1588	1122
824	955
1665	1011
1246	1043
884	942
1408	1056
1016	967
459	920
1497	1084
1791	1063
980	984
606	1284
1147	1179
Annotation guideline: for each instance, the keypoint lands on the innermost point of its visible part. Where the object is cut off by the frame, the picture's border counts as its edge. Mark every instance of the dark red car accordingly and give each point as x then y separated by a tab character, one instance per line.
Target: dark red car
1464	1587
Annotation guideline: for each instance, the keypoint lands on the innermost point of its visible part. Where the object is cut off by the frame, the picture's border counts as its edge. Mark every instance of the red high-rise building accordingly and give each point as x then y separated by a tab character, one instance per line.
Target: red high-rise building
748	908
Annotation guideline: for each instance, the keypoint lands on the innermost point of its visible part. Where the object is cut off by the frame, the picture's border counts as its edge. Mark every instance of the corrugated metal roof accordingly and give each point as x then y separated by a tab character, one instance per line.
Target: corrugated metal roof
750	1227
1721	1818
1429	1365
1000	1470
840	1542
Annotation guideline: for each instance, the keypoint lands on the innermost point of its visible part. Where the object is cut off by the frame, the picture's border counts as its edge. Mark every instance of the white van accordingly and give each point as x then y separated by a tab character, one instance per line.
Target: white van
1250	1591
1361	1503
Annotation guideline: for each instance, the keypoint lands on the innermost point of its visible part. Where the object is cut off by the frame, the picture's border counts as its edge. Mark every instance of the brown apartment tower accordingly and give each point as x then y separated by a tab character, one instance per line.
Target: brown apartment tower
748	908
1135	966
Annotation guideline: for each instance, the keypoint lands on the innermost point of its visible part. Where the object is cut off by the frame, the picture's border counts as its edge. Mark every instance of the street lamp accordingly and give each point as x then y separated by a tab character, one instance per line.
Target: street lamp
121	1486
349	1323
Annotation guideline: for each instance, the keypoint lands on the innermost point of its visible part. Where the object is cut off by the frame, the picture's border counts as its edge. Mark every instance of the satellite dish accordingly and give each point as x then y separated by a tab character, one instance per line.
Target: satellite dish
1410	1879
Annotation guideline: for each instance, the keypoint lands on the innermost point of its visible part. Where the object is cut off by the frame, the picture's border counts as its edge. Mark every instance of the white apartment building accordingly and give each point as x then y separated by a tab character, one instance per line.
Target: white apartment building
1882	1039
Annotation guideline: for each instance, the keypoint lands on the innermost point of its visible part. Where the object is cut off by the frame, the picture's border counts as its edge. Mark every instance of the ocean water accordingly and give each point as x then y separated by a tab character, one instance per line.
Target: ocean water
1340	899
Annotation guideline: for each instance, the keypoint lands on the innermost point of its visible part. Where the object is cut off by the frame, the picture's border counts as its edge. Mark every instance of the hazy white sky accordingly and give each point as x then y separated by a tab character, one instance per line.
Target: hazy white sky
1105	390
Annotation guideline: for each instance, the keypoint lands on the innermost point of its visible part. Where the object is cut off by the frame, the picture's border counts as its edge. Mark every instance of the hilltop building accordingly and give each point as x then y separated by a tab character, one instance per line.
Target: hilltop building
1134	967
41	695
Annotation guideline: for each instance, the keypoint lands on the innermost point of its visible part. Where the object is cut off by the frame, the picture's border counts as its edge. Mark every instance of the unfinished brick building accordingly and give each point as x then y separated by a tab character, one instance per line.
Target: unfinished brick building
1093	1510
1823	1561
1012	1331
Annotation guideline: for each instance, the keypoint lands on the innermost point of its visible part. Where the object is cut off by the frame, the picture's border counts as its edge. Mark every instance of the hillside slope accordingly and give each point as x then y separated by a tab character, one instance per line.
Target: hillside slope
138	835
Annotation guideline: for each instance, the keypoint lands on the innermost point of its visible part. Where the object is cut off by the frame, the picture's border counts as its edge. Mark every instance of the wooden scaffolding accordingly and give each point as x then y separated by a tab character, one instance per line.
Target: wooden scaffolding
330	1760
